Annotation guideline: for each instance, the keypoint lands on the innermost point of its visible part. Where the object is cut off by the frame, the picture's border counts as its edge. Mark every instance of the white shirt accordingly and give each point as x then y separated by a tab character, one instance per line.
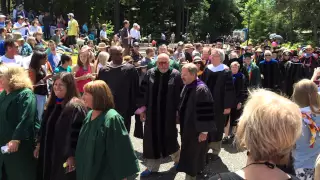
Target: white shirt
218	68
163	37
56	59
22	30
34	29
103	34
14	14
135	33
17	61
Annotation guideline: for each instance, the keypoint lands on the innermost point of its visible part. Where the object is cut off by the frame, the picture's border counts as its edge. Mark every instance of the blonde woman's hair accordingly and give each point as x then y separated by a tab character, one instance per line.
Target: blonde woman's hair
18	78
103	58
269	127
305	93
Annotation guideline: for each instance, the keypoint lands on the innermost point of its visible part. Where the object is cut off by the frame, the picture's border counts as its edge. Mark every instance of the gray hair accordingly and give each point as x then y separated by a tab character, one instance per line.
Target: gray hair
192	68
220	52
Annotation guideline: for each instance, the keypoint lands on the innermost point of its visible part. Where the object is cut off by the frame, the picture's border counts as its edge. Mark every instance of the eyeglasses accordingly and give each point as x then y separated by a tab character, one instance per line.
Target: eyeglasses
162	63
267	55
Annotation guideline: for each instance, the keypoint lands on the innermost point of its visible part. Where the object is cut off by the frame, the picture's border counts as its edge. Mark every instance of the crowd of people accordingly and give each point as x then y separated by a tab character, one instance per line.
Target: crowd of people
64	121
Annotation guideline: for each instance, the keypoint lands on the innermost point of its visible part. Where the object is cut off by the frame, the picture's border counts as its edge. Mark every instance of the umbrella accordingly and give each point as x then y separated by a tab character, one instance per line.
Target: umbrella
271	36
278	37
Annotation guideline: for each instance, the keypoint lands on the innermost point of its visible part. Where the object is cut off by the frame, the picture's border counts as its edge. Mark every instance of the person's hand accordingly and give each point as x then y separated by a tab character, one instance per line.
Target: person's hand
202	137
71	164
48	77
143	117
36	151
13	146
226	111
239	105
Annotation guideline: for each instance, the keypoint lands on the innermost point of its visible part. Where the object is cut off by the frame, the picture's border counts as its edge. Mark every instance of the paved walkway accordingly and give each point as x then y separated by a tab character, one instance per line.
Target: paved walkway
231	160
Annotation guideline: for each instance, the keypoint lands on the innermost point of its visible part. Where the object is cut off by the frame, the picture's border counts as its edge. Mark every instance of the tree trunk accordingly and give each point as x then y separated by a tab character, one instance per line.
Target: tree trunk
116	16
315	31
179	8
291	25
4	6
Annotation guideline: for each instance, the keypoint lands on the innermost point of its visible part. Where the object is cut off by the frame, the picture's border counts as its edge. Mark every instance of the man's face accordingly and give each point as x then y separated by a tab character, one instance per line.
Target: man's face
309	51
20	21
14	49
163	64
295	59
249	50
215	57
274	55
247	60
127	25
163	50
267	57
179	48
189	50
151	54
187	77
136	48
205	54
52	46
219	45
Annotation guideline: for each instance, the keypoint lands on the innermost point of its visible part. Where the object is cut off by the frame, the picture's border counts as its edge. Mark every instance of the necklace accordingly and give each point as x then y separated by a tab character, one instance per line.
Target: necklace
268	164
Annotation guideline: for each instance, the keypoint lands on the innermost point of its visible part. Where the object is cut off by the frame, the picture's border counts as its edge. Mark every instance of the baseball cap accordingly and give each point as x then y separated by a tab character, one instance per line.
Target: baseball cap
71	14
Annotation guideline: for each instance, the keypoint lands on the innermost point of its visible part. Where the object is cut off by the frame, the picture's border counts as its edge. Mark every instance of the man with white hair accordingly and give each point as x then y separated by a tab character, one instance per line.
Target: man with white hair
219	80
135	33
159	101
270	72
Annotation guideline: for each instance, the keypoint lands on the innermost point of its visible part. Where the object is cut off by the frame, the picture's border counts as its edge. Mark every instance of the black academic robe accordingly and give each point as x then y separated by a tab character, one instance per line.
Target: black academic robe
222	89
310	63
291	73
123	81
60	128
254	75
240	87
271	75
196	116
160	95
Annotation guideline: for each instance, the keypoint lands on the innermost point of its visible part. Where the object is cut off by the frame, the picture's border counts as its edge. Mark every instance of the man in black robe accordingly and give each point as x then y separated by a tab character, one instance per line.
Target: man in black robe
196	120
218	78
291	72
123	80
159	104
270	72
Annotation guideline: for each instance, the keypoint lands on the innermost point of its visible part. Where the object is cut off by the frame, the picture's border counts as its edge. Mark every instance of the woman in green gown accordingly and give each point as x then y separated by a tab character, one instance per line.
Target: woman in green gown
18	124
104	150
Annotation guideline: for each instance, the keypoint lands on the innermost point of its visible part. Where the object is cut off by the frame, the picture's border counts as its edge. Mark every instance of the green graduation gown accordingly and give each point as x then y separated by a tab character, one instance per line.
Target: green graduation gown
18	121
104	150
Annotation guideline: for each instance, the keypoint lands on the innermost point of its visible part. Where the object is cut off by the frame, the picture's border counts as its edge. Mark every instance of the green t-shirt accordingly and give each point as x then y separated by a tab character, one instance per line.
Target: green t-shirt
173	64
61	69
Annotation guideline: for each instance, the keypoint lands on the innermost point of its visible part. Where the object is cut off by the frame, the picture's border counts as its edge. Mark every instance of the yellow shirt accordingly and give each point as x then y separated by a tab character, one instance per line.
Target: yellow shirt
73	27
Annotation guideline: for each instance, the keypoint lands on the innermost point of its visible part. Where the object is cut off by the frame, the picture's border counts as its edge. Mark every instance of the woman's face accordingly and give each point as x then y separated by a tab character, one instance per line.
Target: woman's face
84	57
88	99
43	61
234	69
4	82
59	89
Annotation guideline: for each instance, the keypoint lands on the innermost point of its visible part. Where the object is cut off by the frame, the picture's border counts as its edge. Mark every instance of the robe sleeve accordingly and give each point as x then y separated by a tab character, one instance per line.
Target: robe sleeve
134	90
27	110
143	91
229	94
204	110
119	150
178	89
77	117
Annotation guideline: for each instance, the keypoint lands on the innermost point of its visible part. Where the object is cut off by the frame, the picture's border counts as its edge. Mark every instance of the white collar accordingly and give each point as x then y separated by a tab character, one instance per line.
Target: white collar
218	68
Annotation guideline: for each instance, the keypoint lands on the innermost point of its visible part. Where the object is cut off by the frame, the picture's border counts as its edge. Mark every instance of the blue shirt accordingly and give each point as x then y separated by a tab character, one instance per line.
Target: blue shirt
305	156
2	24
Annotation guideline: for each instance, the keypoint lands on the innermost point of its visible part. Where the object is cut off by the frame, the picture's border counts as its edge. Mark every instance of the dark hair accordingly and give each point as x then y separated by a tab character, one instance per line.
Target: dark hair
70	84
149	50
56	30
8	43
2	30
8	22
36	58
64	58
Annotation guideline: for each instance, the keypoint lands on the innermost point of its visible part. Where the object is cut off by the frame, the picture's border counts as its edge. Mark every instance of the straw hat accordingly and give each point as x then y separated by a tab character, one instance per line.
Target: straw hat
102	46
